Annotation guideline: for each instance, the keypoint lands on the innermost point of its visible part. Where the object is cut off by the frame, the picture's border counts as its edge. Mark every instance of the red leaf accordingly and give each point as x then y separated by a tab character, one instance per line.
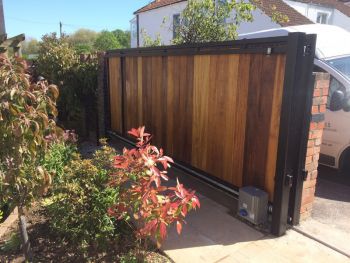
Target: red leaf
184	210
196	202
162	230
178	227
134	132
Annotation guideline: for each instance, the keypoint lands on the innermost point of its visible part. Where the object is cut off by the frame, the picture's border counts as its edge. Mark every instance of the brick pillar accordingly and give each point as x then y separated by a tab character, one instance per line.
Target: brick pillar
321	88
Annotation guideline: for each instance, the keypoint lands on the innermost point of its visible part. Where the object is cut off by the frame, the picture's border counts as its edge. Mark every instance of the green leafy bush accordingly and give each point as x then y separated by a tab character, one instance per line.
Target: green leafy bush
27	112
56	57
76	78
207	20
78	208
59	154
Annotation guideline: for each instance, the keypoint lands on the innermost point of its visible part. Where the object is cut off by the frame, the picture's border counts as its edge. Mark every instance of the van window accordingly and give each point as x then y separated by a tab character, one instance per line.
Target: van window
341	64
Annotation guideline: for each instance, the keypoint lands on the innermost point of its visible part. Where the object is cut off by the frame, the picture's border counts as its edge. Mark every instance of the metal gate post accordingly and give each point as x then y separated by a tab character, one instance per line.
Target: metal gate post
302	111
289	136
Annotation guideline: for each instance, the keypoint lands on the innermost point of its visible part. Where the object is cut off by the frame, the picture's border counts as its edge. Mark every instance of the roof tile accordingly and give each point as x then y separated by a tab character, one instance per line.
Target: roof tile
295	18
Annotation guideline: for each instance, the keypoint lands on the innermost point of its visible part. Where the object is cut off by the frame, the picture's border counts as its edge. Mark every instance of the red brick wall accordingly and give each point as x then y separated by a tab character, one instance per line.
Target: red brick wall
314	143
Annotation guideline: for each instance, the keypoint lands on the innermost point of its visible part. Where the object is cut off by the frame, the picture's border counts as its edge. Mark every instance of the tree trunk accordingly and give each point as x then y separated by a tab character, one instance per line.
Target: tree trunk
24	236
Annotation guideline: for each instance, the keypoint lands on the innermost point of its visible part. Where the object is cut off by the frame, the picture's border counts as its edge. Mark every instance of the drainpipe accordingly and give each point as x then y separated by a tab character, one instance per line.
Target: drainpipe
138	30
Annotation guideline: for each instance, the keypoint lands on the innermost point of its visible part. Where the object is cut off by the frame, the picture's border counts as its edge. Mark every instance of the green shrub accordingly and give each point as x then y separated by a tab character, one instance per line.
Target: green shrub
12	244
78	208
27	112
76	78
57	157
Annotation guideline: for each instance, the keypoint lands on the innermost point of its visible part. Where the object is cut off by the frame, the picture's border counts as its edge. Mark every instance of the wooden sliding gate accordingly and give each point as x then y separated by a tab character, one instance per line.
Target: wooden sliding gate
234	111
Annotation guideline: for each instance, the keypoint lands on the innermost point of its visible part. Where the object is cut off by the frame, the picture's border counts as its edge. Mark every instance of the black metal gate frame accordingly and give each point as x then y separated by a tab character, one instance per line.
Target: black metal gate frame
294	120
294	129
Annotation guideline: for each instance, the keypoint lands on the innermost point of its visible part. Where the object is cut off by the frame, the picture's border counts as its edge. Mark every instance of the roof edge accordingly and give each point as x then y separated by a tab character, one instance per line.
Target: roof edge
140	10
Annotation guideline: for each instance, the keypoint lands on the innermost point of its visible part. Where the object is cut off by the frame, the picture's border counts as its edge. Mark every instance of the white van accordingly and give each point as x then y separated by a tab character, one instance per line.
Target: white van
332	56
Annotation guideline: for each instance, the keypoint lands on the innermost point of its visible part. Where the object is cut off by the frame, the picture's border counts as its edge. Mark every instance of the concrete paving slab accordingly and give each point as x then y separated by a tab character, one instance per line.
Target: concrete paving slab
213	235
330	217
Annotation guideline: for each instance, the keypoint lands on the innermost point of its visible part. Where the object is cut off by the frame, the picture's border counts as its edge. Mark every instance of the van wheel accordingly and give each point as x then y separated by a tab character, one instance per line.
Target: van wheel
345	161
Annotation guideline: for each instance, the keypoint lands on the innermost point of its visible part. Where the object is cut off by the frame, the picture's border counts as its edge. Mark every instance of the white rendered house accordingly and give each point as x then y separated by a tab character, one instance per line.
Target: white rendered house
158	17
331	12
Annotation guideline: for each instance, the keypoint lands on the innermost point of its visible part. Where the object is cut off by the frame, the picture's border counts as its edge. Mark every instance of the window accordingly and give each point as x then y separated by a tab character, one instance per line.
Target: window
176	23
322	18
342	64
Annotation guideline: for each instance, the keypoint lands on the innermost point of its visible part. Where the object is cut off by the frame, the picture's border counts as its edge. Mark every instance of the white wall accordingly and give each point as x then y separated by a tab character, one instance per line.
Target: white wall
133	32
160	21
335	17
339	19
261	22
310	10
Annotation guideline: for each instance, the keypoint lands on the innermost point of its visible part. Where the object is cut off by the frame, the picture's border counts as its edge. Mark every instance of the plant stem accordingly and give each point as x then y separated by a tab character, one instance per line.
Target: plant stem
24	235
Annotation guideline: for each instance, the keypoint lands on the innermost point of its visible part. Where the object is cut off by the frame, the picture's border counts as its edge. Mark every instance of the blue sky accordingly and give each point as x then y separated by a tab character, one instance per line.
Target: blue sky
37	17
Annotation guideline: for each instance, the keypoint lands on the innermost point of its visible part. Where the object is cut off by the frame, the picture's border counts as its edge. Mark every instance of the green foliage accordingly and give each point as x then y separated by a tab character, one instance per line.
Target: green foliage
30	47
83	40
148	41
106	41
76	78
78	90
12	244
131	257
207	20
123	37
277	16
26	118
78	209
56	57
56	159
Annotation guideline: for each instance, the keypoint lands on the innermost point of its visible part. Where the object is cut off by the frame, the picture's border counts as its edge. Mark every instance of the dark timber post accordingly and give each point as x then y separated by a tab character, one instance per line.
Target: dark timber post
296	83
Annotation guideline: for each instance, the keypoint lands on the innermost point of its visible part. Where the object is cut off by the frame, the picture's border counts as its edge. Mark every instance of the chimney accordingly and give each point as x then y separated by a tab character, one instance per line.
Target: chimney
2	20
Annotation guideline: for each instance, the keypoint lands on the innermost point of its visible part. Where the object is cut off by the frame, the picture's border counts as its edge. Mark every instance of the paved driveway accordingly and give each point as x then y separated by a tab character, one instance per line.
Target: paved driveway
330	219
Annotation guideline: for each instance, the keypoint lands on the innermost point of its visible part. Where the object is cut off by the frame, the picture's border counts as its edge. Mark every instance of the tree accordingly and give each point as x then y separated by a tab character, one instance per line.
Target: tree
148	41
55	58
106	41
83	40
123	37
207	20
30	47
27	112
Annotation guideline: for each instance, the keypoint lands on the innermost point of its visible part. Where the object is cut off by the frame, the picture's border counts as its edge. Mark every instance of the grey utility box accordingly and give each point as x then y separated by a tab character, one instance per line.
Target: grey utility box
252	205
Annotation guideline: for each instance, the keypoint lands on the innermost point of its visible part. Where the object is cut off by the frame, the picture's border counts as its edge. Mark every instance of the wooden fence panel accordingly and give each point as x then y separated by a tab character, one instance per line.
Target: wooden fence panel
217	113
115	94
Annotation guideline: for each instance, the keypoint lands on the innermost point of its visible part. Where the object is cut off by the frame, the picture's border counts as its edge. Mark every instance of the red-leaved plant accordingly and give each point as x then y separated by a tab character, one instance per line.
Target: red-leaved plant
150	204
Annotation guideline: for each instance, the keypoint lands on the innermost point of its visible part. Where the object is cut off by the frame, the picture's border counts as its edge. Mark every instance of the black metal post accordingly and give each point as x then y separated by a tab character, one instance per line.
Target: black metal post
287	136
302	111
